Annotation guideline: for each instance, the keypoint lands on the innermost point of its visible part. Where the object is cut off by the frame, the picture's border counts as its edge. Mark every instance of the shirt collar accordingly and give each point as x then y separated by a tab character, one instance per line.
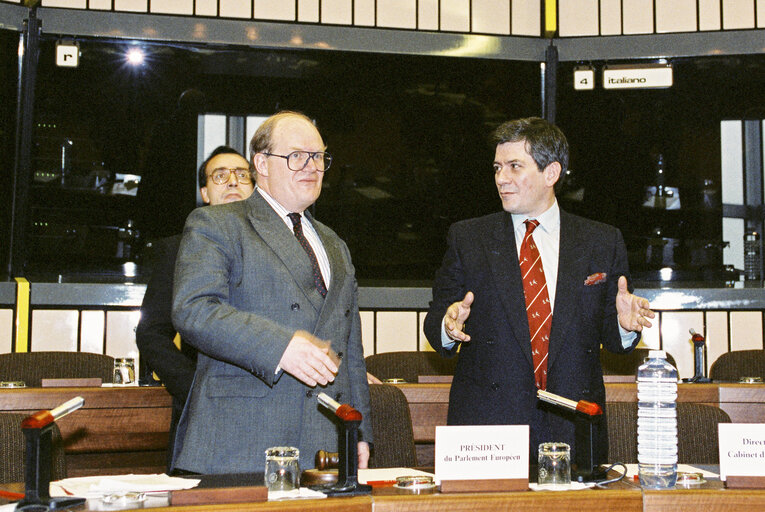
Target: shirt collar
281	210
549	220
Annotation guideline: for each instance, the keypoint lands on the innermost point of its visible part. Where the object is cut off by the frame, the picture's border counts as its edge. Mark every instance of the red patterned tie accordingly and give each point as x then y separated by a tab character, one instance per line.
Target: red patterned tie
317	277
537	303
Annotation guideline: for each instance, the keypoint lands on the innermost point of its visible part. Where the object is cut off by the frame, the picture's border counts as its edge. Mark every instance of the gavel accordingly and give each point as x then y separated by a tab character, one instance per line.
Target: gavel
327	460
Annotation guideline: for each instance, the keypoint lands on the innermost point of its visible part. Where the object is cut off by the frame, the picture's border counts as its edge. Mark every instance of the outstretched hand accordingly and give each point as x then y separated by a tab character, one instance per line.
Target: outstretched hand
633	311
456	316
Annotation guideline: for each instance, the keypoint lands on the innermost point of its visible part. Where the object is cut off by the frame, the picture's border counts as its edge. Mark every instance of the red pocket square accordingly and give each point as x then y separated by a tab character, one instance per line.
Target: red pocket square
597	278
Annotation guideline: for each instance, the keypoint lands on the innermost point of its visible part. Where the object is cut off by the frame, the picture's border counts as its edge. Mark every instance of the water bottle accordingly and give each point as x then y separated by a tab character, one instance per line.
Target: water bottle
657	422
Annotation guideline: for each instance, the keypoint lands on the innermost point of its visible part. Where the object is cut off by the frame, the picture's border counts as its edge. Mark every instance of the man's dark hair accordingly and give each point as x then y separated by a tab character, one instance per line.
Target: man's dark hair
220	150
544	141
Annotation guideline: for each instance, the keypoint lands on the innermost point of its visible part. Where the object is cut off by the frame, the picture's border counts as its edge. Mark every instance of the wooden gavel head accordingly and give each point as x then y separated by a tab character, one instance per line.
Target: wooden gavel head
327	460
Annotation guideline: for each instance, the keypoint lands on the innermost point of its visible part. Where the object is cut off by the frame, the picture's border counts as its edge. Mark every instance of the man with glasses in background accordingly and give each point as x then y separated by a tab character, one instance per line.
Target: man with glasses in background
268	296
224	177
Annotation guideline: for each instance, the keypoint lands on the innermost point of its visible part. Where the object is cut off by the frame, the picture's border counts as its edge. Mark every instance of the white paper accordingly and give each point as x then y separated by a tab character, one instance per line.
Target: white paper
742	449
482	452
96	486
295	494
389	474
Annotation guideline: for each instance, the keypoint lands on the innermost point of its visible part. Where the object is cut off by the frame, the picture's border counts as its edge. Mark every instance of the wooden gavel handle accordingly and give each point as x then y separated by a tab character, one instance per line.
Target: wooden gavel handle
327	460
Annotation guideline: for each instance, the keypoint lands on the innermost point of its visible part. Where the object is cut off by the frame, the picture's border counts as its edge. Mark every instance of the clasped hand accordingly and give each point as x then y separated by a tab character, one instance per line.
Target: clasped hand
307	358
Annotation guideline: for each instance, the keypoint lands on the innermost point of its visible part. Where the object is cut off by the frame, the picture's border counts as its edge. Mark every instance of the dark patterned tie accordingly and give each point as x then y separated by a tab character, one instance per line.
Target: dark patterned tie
317	277
537	303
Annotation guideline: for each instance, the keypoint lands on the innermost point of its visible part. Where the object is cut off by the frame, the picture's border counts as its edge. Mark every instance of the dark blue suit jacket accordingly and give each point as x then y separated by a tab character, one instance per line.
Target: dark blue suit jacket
494	379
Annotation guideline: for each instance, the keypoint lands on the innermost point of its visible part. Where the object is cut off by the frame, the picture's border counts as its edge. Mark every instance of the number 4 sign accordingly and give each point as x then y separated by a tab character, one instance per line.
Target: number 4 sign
584	79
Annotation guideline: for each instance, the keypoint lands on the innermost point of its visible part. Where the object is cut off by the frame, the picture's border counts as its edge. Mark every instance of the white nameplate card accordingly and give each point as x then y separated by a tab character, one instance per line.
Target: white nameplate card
742	451
495	455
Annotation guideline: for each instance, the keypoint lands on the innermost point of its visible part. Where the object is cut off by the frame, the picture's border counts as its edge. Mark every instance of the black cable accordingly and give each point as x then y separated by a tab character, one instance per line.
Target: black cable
612	480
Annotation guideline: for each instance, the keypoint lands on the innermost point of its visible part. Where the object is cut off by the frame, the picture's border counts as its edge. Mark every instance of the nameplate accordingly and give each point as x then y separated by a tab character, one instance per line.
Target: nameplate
482	458
742	454
87	382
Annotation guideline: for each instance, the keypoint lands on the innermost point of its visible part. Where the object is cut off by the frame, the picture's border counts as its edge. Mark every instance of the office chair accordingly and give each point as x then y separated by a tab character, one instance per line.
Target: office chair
409	365
731	366
697	440
626	364
32	367
391	428
13	449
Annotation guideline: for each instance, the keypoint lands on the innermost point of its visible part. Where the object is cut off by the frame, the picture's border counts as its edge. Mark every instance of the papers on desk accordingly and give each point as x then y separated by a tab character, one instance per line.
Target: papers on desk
388	474
97	486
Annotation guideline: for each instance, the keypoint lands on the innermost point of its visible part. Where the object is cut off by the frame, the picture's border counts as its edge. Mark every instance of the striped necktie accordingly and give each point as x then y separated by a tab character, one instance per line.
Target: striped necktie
537	303
317	277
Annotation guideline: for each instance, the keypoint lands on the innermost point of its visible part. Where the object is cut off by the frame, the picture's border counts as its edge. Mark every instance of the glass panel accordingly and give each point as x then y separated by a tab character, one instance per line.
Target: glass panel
116	145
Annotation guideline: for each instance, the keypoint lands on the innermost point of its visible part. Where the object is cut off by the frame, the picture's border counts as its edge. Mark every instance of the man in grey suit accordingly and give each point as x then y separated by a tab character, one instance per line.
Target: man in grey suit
268	296
528	296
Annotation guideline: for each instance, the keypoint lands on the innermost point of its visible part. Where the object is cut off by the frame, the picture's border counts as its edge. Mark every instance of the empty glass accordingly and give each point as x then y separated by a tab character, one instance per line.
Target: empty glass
554	465
282	469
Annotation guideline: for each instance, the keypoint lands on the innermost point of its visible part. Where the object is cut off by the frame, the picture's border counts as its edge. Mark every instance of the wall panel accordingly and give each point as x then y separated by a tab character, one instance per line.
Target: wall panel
92	335
274	10
526	18
717	336
427	14
737	14
172	6
6	330
54	329
676	16
397	14
368	332
396	331
746	330
578	18
364	12
455	15
491	16
610	17
710	15
637	17
337	12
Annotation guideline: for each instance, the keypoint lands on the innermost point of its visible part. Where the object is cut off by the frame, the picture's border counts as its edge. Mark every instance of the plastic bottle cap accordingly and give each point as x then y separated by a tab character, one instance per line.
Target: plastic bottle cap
661	354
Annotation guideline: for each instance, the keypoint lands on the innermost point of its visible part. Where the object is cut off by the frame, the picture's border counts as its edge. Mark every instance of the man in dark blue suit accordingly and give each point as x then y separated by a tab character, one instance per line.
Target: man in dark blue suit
480	300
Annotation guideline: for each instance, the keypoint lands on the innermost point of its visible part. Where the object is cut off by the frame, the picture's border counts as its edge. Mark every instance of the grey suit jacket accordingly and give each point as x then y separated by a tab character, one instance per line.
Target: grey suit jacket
243	286
494	379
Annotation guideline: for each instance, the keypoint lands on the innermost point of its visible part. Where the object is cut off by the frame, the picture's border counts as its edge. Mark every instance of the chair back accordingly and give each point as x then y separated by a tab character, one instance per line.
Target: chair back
391	428
697	440
32	367
626	364
13	450
409	365
731	366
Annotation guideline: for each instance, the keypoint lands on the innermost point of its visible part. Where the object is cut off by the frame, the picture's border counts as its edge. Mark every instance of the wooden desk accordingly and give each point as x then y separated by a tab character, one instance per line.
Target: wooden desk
117	431
622	496
124	430
428	405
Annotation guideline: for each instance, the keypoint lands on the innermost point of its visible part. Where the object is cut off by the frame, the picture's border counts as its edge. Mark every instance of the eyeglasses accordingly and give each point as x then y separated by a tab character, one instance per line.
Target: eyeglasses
298	160
221	175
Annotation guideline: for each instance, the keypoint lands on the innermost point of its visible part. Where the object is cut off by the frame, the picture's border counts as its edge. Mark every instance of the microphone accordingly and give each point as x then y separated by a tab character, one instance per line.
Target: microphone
583	467
42	418
583	406
343	411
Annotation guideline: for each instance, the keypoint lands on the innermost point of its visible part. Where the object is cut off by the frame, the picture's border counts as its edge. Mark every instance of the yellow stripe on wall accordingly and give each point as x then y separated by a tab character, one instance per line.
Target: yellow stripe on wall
551	18
22	315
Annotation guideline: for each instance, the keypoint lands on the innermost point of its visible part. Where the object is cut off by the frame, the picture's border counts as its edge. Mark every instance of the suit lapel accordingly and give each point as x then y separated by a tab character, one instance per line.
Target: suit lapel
503	263
278	236
339	275
572	262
